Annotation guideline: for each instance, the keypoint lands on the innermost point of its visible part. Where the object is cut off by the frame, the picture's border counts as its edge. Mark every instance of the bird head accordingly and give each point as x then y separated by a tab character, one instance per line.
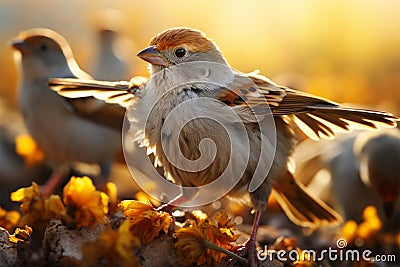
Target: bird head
44	53
180	45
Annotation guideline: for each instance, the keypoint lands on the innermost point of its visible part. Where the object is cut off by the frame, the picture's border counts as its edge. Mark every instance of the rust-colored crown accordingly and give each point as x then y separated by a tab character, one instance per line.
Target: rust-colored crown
192	39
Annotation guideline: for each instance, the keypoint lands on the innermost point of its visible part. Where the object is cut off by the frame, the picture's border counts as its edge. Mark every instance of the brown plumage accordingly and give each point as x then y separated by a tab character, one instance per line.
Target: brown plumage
182	61
174	37
67	130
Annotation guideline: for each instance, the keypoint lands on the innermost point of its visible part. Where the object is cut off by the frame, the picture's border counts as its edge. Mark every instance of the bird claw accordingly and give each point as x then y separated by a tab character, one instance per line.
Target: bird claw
247	250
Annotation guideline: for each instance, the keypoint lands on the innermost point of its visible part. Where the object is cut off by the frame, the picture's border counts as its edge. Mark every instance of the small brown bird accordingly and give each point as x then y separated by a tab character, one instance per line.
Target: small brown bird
192	91
379	158
67	130
108	64
113	59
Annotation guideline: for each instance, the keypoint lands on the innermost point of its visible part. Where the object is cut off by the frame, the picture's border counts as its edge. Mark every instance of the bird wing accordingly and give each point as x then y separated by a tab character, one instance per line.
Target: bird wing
315	116
82	97
109	115
111	92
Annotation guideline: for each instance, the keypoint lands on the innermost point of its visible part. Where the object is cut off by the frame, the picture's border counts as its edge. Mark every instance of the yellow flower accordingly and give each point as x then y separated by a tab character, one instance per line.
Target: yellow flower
200	216
198	242
191	247
115	248
284	243
304	260
223	219
8	219
225	225
85	205
21	235
349	231
26	147
125	243
145	221
290	244
371	218
366	230
26	195
112	192
143	197
37	211
220	237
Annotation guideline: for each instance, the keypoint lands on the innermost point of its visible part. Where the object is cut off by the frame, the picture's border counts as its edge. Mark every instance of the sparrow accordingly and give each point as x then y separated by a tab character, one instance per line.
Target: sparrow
334	162
113	56
190	78
378	155
362	164
66	131
109	65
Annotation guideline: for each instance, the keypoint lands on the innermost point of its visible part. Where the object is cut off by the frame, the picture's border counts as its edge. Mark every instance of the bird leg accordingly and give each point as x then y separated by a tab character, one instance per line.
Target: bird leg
388	208
100	181
55	179
249	248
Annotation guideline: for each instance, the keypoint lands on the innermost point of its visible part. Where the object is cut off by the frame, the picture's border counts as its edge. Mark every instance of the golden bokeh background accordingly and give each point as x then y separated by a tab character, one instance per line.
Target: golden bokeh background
348	51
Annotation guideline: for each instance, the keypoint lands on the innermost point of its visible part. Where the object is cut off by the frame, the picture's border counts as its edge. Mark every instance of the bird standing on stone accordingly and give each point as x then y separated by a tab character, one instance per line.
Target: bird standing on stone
189	75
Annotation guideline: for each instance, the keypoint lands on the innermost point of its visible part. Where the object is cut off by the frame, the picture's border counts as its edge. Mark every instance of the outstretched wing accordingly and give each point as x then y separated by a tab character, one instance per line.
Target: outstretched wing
315	116
111	92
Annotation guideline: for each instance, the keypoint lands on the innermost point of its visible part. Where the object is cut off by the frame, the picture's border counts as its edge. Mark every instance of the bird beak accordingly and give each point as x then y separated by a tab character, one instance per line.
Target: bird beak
19	45
153	56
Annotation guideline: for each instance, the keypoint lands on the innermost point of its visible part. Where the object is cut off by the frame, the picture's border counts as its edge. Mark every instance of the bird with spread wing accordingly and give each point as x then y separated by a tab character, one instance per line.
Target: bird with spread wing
187	58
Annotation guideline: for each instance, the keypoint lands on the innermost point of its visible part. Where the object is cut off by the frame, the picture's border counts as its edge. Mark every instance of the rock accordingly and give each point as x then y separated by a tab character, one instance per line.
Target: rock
8	250
159	253
61	242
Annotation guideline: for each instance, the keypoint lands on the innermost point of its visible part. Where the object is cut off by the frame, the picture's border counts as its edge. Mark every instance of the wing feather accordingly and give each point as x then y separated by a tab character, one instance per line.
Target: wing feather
315	116
111	92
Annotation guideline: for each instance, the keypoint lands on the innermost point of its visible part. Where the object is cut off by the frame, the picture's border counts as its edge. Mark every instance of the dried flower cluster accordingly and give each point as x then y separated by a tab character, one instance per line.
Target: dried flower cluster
85	205
145	221
37	211
21	235
198	241
8	219
366	231
290	244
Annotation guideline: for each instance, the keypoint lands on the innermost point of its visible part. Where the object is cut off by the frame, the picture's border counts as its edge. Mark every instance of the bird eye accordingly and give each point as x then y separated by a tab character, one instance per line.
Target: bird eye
43	47
180	52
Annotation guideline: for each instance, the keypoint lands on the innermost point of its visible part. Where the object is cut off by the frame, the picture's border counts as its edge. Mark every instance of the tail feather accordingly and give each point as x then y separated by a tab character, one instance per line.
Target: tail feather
301	207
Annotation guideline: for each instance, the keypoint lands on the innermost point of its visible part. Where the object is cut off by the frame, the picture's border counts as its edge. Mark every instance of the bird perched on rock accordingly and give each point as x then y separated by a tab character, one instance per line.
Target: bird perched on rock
67	131
194	96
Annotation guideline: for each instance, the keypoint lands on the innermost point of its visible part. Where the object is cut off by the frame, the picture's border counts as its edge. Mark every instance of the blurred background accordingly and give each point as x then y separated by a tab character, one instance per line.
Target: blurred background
344	50
347	51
